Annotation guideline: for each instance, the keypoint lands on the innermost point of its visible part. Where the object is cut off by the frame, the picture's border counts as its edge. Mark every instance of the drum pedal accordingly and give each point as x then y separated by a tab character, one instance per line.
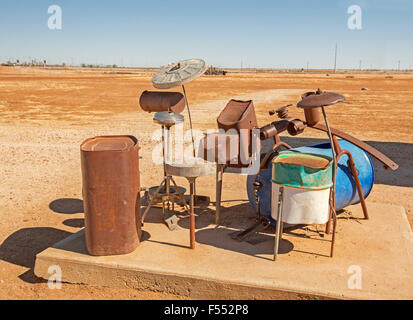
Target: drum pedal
242	235
172	223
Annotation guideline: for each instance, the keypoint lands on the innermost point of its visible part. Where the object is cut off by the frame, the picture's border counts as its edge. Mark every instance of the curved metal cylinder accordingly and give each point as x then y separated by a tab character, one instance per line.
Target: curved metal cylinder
346	191
111	187
268	131
158	101
312	116
296	127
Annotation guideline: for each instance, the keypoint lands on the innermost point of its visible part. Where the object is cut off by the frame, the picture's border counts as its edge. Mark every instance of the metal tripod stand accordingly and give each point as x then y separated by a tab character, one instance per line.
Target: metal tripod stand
164	189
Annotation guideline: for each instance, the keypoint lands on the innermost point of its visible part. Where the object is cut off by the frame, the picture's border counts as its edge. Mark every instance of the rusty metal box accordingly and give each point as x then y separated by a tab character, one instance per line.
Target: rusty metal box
111	194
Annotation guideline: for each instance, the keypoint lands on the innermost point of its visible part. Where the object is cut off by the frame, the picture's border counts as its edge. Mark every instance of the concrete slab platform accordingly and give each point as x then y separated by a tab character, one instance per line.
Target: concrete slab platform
381	249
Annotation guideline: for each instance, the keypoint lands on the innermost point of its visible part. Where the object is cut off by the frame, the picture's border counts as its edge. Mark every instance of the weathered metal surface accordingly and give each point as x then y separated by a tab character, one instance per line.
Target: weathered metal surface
168	118
214	147
193	169
388	163
157	197
273	129
345	193
239	116
303	159
177	74
296	127
319	99
304	171
111	187
282	112
268	131
354	171
312	116
155	101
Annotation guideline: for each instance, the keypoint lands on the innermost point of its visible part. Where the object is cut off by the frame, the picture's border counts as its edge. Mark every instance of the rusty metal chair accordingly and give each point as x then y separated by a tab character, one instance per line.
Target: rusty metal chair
236	148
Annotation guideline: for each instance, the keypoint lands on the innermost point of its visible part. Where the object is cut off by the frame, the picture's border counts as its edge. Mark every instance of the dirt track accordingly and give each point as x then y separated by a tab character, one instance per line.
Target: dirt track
45	115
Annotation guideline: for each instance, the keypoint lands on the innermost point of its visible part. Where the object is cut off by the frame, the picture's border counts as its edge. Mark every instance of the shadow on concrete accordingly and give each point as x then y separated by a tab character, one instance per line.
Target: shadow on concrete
67	206
79	244
155	215
220	238
21	247
75	223
399	152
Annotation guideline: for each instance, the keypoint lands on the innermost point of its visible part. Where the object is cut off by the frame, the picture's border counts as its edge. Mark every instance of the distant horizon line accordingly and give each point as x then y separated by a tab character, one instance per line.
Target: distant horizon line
115	66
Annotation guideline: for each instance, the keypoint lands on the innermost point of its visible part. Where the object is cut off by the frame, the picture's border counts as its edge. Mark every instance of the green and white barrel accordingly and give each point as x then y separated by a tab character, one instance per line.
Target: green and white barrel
307	181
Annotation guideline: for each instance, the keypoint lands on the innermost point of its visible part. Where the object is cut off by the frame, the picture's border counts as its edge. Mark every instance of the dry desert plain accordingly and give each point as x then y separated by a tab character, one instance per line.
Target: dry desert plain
47	113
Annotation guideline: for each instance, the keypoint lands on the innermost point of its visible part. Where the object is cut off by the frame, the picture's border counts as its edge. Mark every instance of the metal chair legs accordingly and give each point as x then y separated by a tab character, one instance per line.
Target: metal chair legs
278	234
334	234
192	214
219	177
279	227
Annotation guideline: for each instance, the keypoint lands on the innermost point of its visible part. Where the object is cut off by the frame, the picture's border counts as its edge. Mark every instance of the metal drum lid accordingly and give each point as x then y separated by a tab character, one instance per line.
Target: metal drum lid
179	73
319	99
109	143
168	118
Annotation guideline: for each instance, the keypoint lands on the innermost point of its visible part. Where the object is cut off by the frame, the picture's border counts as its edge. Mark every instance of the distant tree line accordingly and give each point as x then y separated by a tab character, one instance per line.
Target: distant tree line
43	63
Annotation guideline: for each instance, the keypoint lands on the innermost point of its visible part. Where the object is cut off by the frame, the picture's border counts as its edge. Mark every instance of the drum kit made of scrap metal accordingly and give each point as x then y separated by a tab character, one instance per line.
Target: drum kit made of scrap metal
322	178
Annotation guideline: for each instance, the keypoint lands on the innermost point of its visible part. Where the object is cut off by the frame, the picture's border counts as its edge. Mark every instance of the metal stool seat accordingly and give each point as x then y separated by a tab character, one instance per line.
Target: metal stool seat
191	170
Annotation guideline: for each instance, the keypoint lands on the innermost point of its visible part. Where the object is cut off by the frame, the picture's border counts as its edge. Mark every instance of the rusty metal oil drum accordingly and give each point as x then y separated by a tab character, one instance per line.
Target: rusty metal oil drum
111	194
159	101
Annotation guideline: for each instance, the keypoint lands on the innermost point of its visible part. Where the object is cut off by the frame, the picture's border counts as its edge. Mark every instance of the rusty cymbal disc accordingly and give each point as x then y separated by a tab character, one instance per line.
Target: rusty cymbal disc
319	99
180	73
168	118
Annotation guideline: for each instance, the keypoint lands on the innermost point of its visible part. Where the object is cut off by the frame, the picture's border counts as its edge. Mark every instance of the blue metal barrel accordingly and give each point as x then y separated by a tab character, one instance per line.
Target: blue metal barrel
346	191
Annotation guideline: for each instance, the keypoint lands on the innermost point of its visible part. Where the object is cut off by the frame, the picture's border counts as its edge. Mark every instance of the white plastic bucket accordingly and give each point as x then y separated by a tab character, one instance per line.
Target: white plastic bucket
301	206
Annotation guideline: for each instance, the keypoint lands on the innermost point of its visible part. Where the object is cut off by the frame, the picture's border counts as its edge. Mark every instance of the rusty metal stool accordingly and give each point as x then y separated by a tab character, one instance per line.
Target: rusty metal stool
165	191
191	171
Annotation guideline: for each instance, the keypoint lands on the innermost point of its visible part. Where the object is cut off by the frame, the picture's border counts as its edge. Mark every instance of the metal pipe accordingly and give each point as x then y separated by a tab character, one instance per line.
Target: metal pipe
330	137
192	216
190	119
192	133
279	219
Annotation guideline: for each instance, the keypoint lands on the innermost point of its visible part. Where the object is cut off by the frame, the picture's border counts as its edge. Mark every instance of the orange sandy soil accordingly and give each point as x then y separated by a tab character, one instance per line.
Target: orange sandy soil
46	114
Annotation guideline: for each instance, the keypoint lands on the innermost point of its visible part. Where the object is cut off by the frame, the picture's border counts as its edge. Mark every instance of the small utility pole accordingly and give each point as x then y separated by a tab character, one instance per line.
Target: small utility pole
399	66
360	65
335	60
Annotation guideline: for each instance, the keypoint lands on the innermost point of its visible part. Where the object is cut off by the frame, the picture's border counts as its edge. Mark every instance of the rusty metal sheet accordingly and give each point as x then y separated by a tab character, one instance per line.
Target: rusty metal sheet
388	163
238	115
111	187
319	99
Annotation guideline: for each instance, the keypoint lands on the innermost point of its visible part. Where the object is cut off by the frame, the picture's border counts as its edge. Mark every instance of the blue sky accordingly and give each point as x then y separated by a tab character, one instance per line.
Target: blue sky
262	33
